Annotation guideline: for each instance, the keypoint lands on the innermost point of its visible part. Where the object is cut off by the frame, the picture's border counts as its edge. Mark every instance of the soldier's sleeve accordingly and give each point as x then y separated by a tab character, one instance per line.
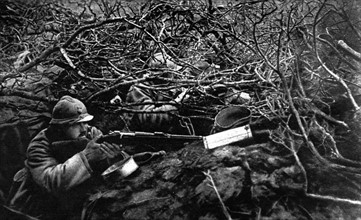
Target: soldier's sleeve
53	176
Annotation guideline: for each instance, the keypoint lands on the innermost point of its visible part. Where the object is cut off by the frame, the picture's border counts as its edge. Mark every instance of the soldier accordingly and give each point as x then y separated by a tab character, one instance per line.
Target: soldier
153	117
57	174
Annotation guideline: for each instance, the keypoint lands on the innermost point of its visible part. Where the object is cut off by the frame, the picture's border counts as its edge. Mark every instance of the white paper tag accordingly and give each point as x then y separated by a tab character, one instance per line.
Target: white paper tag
227	137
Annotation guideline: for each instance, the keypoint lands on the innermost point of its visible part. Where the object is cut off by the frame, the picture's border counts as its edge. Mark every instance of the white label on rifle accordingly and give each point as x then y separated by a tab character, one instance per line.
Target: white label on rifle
227	137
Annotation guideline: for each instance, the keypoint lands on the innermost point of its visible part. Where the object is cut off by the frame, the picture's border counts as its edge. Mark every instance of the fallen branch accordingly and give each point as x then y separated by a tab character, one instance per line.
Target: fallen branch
334	199
213	185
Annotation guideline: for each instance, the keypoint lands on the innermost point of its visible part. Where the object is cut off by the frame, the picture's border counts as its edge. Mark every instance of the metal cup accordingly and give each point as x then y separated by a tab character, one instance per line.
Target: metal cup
122	168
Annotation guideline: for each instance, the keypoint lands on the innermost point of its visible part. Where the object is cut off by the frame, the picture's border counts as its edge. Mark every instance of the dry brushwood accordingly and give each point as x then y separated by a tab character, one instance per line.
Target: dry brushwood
285	60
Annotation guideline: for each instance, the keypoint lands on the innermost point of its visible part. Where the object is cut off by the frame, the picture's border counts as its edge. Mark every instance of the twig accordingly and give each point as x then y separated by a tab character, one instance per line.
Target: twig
206	82
213	185
349	50
110	88
305	186
65	55
18	214
330	72
328	118
299	163
90	26
80	73
27	95
53	49
325	41
117	70
294	110
334	199
39	59
334	155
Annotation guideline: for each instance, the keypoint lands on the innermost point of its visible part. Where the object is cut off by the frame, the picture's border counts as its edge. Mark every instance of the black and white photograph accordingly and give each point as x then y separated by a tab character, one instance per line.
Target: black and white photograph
180	109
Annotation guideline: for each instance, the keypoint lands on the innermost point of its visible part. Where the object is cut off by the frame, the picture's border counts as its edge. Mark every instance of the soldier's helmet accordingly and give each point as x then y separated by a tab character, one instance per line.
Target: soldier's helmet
70	110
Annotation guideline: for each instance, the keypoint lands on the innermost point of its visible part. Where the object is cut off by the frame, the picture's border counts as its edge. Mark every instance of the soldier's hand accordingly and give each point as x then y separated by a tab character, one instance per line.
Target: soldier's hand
94	132
101	155
93	151
99	151
111	150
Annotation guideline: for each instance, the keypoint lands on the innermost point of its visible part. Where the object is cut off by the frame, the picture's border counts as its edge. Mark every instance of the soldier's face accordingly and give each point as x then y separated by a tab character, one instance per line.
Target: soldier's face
76	130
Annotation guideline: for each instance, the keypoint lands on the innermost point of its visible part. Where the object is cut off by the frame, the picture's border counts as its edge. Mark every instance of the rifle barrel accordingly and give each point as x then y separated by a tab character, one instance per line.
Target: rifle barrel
136	137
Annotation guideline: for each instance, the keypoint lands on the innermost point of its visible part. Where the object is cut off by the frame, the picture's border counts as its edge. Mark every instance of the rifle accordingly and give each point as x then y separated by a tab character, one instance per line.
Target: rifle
244	134
157	139
63	150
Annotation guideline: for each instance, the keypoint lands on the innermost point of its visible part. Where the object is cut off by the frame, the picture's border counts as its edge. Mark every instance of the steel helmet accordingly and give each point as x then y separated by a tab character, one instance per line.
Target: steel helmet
69	111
